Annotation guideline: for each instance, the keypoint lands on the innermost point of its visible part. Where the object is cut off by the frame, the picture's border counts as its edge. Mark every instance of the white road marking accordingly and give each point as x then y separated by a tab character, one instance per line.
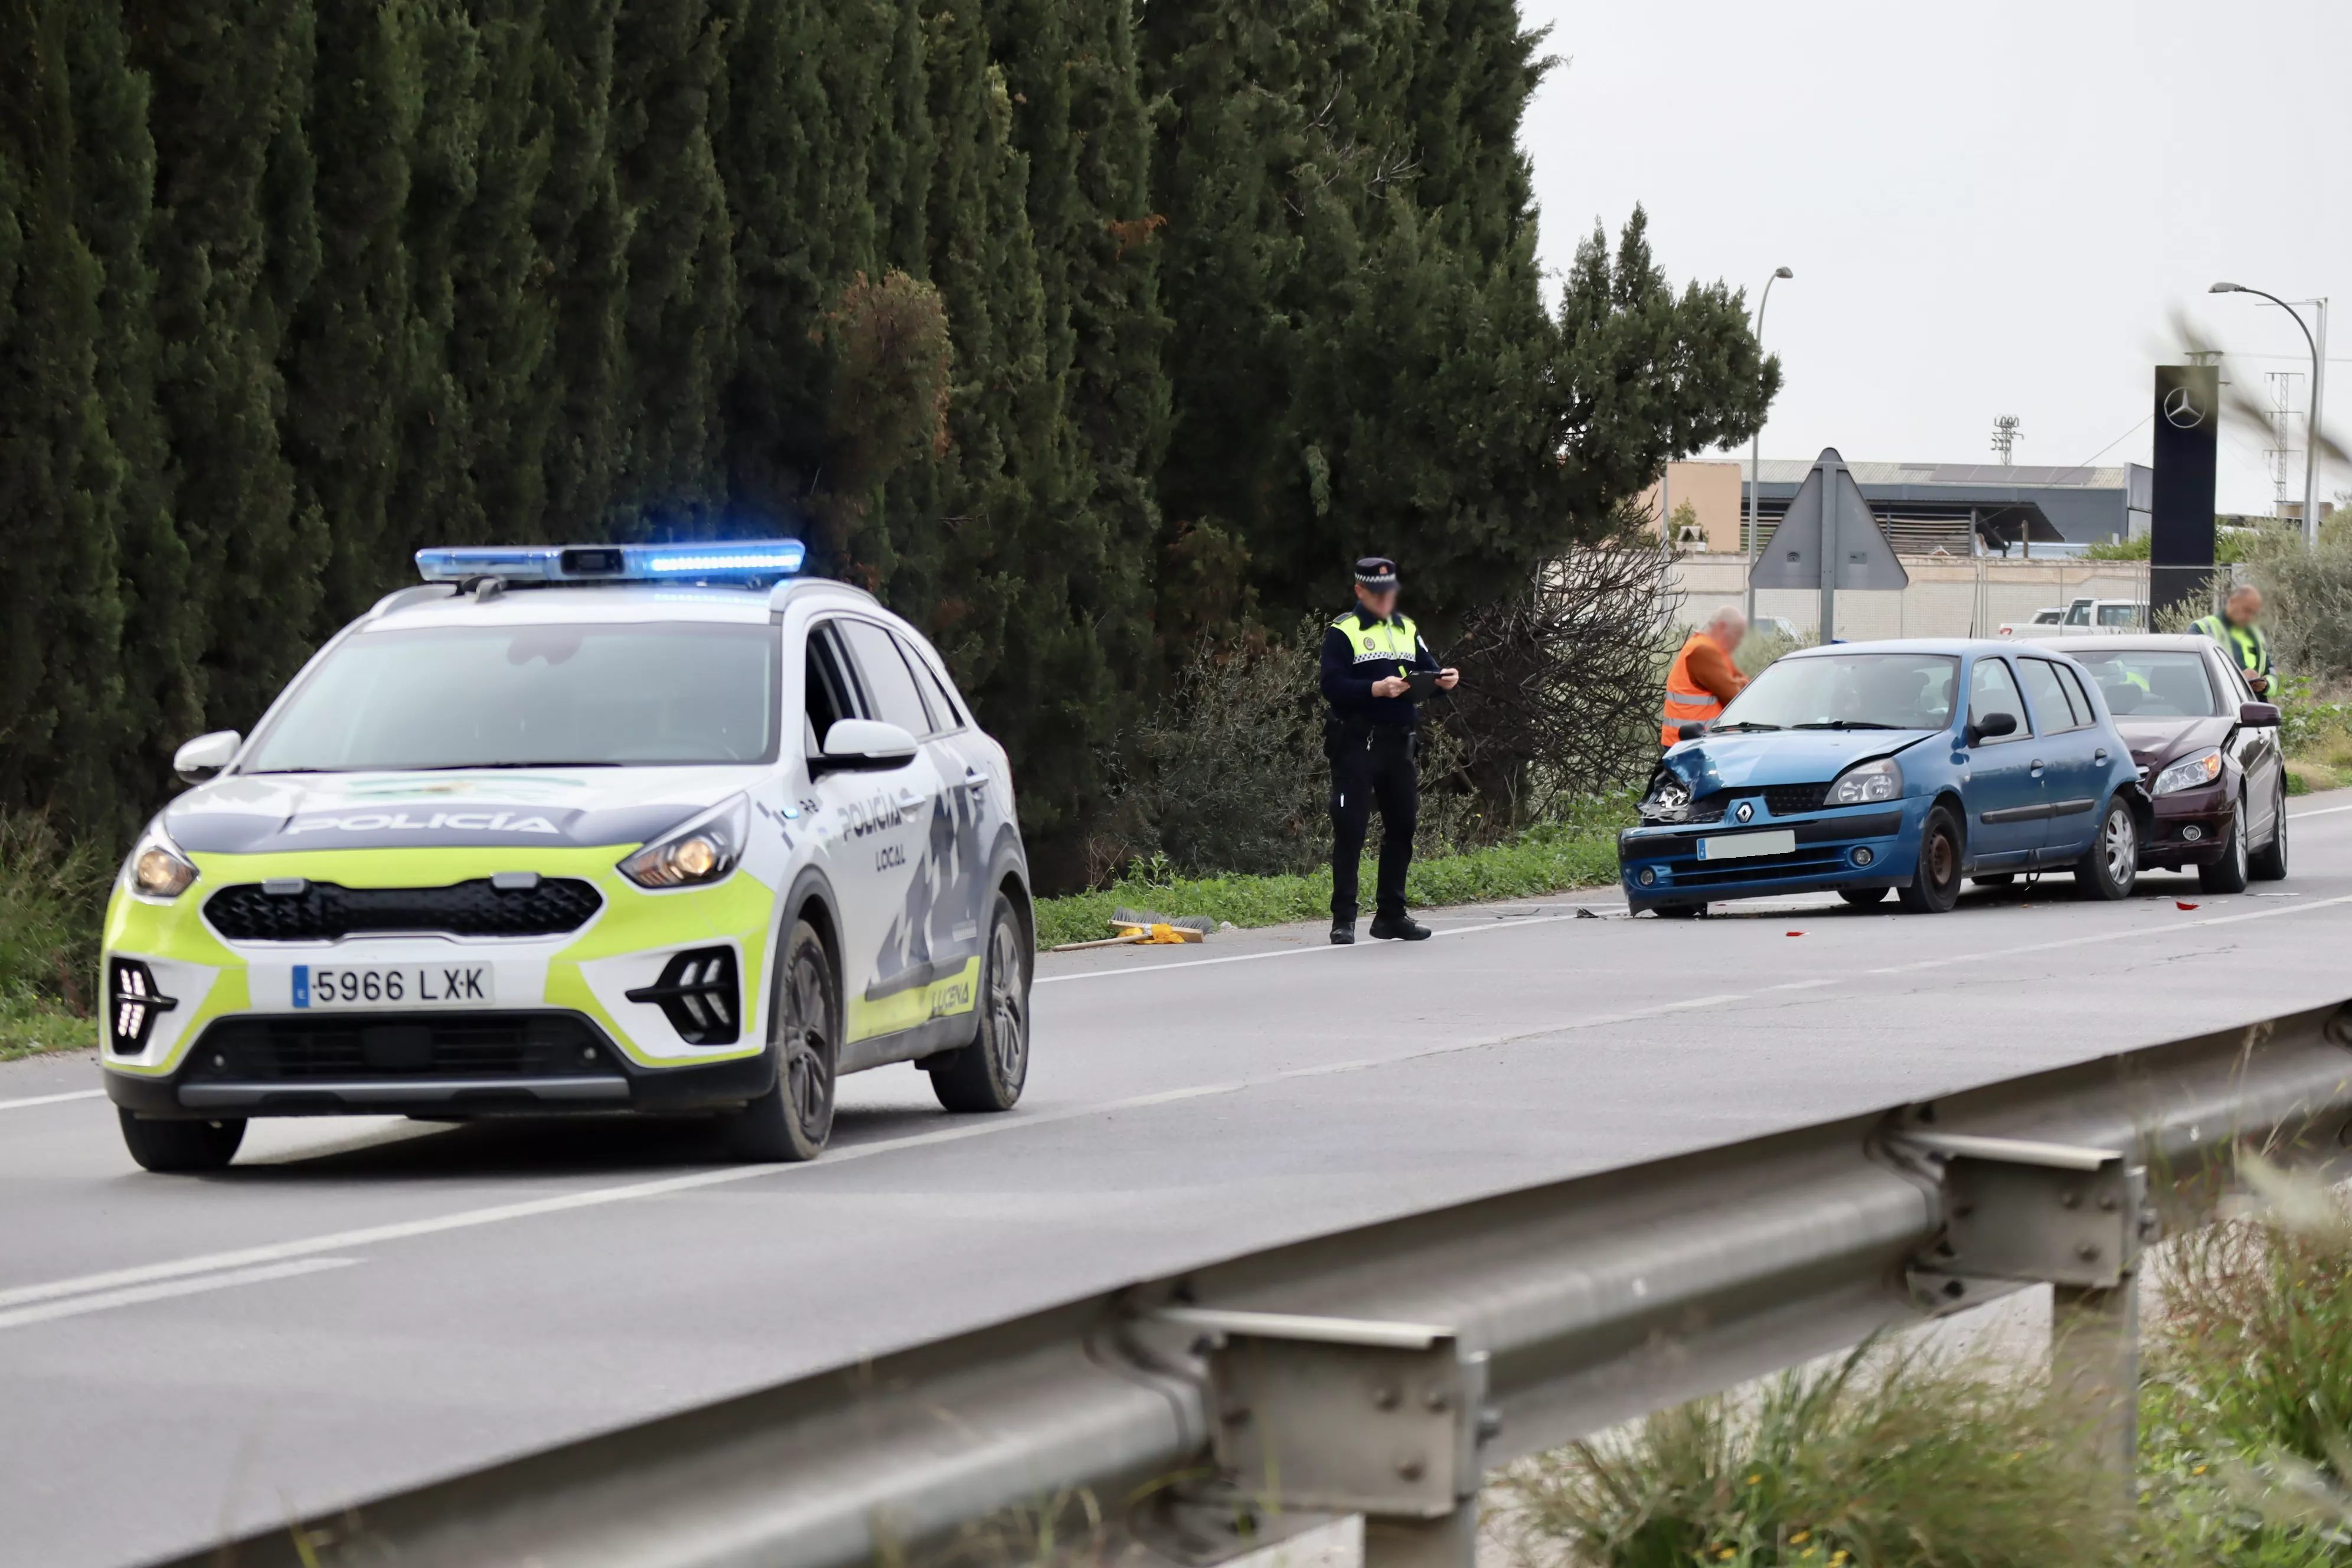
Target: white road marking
1519	923
105	1300
52	1099
250	1258
2323	811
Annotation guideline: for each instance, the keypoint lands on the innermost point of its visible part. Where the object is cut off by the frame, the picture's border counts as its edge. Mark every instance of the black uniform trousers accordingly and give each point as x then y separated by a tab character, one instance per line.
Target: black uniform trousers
1371	763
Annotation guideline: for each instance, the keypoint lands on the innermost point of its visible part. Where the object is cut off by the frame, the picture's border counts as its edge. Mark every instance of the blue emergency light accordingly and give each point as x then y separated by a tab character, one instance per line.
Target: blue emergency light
733	560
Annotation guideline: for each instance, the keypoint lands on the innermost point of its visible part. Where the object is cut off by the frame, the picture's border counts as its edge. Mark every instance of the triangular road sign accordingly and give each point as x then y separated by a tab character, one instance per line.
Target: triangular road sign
1859	556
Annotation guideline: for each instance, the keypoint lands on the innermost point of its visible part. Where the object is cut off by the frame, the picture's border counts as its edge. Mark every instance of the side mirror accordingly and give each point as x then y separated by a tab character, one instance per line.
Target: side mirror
1991	726
1690	731
865	746
206	755
2258	715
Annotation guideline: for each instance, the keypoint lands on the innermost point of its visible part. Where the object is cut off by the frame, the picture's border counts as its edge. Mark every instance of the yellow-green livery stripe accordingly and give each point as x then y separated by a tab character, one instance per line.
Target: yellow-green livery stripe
941	999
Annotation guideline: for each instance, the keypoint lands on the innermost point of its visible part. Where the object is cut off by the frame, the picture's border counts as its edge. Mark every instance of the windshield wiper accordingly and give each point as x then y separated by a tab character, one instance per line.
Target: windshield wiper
1849	724
1743	724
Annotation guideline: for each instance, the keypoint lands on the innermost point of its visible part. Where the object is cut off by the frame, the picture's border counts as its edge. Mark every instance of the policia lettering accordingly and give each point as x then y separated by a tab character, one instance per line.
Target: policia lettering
1369	738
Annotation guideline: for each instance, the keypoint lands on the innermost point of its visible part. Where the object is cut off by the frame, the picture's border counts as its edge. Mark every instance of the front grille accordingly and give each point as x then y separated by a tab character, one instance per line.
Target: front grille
363	1046
1795	800
321	911
1780	800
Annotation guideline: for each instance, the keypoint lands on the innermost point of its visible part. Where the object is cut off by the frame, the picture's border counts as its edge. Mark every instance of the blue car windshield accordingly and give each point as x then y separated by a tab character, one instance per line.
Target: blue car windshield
1848	691
534	696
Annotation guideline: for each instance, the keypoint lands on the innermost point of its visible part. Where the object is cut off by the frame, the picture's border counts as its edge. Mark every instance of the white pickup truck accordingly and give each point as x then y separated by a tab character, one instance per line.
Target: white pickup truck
2082	617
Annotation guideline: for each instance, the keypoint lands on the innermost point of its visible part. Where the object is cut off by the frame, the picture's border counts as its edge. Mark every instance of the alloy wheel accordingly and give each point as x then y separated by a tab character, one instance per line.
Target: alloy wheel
808	1046
1006	1004
2119	842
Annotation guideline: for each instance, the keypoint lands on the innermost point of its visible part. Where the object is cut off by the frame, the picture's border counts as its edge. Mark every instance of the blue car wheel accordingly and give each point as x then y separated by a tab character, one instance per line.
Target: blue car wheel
1935	884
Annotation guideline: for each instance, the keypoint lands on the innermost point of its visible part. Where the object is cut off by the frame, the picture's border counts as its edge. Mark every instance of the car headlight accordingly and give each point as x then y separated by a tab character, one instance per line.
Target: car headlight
1867	782
155	868
2189	772
1669	801
705	850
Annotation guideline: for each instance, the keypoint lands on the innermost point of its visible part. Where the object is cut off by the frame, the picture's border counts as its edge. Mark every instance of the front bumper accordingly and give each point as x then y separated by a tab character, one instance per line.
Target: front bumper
2190	828
534	1062
583	1018
1853	846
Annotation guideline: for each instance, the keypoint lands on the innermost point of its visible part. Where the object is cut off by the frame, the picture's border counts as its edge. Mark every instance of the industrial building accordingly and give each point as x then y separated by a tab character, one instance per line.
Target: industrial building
1926	509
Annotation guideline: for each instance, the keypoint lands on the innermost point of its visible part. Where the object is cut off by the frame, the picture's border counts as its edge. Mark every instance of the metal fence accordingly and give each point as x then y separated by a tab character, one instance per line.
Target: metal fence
1386	1370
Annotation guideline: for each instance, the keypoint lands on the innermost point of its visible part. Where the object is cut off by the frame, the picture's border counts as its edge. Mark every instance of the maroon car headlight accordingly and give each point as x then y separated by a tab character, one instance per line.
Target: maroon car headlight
2192	771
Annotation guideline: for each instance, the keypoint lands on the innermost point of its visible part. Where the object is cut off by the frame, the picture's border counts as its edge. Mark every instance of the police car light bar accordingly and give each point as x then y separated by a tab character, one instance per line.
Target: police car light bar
738	560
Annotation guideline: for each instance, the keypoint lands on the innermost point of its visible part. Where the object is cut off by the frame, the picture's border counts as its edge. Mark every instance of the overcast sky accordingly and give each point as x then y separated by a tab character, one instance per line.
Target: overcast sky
1991	208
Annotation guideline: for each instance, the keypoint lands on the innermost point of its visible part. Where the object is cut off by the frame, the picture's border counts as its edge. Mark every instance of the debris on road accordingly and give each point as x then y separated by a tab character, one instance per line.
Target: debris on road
1141	928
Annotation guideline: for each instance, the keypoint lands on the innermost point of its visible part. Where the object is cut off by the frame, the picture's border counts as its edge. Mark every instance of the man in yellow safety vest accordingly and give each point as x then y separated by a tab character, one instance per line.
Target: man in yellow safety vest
1367	655
2242	639
1703	677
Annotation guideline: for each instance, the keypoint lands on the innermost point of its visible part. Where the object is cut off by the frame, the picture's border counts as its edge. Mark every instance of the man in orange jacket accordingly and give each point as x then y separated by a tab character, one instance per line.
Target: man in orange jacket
1703	677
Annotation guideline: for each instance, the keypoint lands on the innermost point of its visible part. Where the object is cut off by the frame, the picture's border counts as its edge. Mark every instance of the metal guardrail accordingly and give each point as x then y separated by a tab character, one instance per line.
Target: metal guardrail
1386	1369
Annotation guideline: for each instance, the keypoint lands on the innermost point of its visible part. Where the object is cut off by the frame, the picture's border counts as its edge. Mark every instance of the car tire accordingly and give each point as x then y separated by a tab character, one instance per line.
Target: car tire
1994	879
2228	874
182	1146
2109	869
987	1074
794	1120
1935	884
1863	898
2268	864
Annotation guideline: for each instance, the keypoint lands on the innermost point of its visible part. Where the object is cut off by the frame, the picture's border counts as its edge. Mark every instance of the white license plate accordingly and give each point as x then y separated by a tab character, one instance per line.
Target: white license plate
1748	846
392	985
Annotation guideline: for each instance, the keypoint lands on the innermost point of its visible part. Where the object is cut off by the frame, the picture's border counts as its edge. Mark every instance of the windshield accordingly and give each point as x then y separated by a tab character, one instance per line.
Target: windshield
1849	692
2153	685
545	696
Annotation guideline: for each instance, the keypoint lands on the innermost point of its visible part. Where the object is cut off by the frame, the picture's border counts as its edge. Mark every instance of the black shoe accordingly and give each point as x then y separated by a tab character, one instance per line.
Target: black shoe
1343	933
1403	927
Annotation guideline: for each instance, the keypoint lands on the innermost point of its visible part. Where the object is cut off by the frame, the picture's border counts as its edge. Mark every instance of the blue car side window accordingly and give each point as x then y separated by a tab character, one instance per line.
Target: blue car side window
1992	690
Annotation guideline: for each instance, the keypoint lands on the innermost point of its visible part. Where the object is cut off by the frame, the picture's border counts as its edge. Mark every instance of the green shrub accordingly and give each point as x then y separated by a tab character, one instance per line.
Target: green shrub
52	901
1893	1458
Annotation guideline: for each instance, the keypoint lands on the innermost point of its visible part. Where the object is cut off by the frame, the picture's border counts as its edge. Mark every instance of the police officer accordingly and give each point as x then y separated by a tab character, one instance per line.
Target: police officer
1369	738
2242	640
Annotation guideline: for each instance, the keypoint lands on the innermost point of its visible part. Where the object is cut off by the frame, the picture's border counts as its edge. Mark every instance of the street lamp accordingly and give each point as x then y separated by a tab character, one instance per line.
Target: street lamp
2318	373
1755	447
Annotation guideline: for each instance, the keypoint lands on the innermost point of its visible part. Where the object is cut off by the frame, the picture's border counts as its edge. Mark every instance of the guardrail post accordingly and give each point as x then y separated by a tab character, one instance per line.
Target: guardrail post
2095	1370
1346	1416
2075	1218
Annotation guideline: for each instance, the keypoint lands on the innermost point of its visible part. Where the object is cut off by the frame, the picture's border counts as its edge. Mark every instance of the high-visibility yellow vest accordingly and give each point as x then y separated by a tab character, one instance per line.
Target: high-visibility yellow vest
1395	641
1687	702
2246	644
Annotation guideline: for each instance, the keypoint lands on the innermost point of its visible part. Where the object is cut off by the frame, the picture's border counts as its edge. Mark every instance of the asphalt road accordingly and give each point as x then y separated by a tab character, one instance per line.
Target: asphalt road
358	1306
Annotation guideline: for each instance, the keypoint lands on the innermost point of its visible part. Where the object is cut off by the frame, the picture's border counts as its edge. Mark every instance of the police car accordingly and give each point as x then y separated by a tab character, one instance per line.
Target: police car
582	828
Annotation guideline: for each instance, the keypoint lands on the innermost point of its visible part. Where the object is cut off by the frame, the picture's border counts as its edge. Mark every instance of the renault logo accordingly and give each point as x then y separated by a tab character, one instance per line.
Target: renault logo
2180	409
1747	812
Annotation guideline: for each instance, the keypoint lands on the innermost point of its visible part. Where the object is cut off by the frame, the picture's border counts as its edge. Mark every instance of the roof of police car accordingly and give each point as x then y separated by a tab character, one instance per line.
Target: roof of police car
614	602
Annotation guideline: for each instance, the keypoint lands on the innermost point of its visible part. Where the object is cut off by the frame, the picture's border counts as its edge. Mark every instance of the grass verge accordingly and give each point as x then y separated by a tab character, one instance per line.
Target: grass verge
52	901
1577	853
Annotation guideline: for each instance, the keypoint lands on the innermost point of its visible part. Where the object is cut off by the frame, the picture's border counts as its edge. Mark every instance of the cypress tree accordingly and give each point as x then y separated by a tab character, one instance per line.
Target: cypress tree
345	361
432	495
582	236
500	346
60	618
233	250
114	177
679	314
